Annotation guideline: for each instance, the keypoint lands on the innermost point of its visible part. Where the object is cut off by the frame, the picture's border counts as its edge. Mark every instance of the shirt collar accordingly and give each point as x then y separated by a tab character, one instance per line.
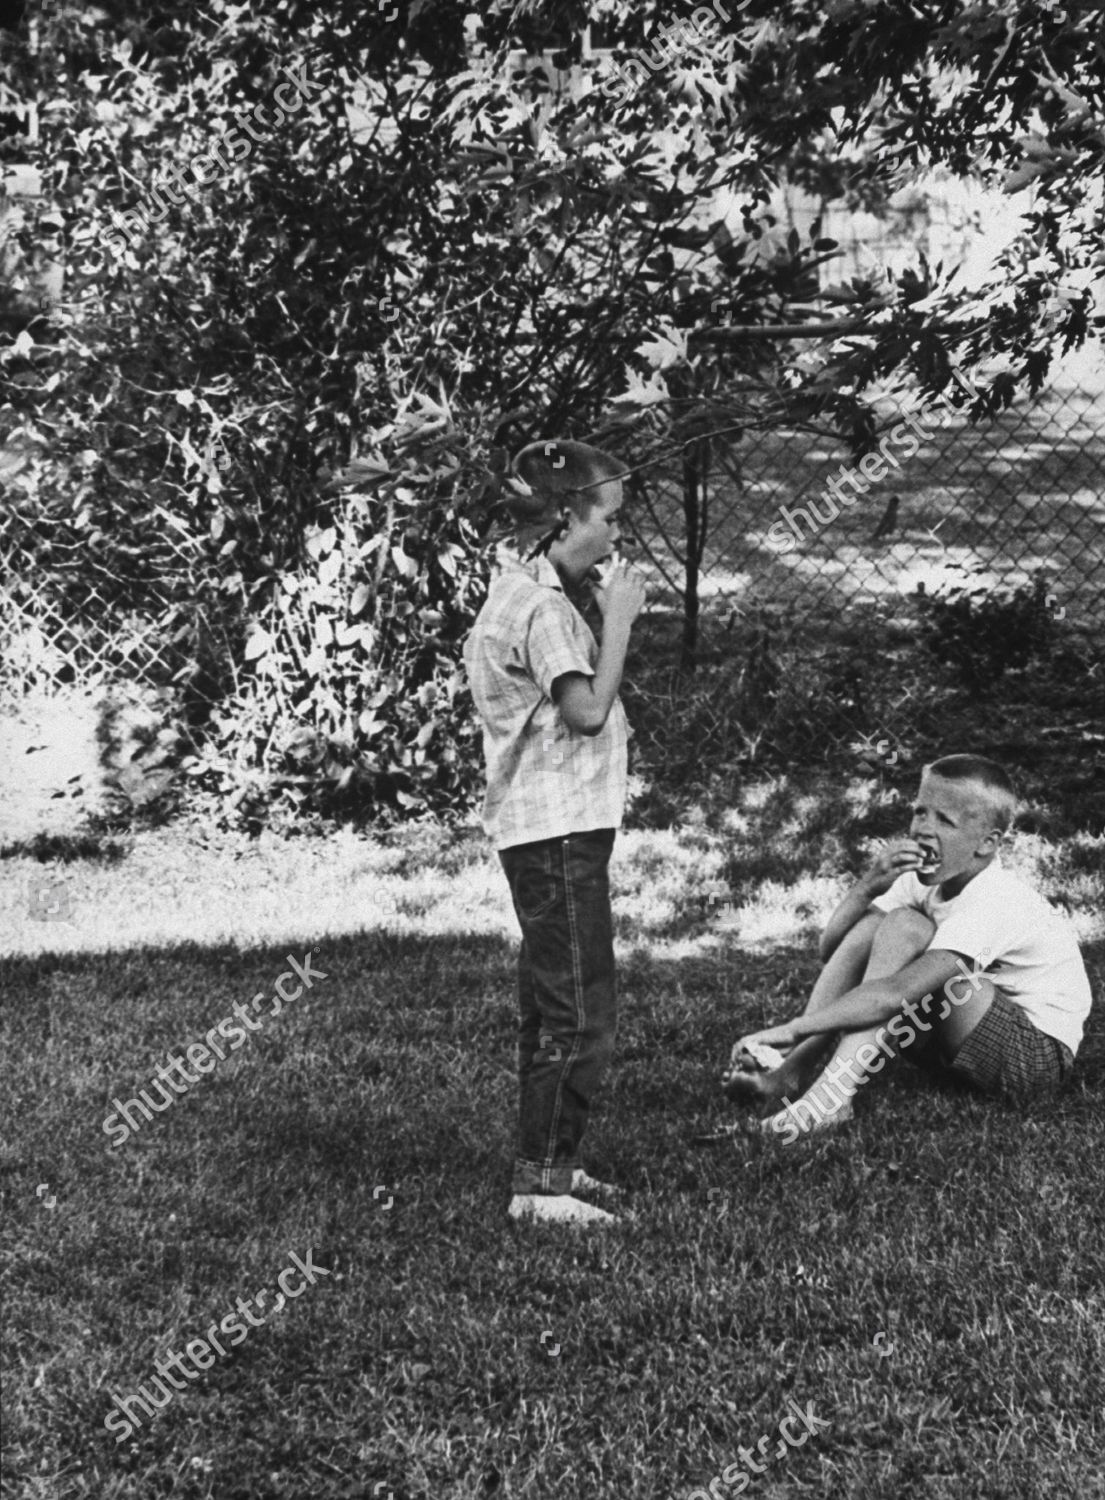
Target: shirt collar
540	569
995	865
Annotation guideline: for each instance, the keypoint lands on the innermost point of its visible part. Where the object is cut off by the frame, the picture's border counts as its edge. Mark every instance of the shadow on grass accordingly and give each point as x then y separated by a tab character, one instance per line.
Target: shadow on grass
370	1124
402	1051
67	848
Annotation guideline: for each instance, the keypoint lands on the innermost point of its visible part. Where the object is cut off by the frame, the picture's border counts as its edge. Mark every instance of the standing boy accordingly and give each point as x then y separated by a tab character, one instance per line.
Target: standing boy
935	913
554	737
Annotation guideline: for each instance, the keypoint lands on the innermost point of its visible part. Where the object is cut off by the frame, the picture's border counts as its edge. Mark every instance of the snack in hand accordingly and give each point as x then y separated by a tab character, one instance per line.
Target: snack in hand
766	1058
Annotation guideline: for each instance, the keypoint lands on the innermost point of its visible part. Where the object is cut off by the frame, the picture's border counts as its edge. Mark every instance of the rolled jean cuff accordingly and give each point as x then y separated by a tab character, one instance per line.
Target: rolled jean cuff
539	1177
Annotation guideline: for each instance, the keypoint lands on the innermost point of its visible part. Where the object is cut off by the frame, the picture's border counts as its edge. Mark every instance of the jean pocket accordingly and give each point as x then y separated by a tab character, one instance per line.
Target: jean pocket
534	894
588	859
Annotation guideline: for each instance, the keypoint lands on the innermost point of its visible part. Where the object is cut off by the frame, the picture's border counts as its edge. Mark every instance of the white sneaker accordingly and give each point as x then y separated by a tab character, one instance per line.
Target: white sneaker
557	1208
582	1182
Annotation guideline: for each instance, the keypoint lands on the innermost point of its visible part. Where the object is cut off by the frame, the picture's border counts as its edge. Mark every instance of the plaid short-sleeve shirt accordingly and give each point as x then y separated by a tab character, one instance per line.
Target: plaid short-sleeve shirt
543	780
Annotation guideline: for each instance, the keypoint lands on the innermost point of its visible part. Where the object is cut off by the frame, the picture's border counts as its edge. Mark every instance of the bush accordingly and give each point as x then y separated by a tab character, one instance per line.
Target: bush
428	255
981	632
352	697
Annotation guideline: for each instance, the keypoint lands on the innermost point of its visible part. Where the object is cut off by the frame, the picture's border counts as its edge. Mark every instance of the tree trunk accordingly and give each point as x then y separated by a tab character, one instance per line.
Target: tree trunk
696	464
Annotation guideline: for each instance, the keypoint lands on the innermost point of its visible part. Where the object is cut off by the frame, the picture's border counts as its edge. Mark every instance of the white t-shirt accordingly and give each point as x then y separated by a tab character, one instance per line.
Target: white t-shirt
1023	946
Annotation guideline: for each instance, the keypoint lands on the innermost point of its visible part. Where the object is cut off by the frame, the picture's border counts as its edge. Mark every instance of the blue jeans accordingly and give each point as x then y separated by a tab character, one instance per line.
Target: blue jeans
566	996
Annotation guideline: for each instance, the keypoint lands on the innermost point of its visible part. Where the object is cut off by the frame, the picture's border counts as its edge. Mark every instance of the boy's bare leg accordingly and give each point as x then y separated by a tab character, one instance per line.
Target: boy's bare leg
845	967
973	999
899	938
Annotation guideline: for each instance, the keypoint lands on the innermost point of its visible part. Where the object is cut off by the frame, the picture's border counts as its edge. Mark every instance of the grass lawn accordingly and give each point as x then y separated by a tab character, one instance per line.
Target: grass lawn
927	1284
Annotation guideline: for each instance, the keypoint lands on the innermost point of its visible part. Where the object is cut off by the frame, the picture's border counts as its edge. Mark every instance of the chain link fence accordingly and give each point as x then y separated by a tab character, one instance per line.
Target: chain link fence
1017	501
803	613
805	592
94	643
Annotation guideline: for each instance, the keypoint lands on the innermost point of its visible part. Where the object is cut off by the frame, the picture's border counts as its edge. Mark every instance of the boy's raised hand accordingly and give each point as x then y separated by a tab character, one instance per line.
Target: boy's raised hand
621	598
891	861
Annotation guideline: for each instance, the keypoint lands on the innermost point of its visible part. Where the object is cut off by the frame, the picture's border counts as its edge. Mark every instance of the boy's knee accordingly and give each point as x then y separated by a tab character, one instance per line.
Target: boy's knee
864	930
906	927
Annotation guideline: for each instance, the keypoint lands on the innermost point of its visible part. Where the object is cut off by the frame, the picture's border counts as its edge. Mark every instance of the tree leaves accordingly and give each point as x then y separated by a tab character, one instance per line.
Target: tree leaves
418	275
259	644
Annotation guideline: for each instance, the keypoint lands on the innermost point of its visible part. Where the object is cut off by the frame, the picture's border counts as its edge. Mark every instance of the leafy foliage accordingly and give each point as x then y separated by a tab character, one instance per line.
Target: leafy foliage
981	633
439	247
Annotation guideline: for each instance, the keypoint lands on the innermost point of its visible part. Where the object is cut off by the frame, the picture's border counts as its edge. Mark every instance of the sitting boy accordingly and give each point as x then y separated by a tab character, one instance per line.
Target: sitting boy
935	912
554	735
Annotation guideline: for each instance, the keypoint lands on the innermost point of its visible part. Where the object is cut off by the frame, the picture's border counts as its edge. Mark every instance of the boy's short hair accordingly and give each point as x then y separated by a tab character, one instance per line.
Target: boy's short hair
560	474
995	789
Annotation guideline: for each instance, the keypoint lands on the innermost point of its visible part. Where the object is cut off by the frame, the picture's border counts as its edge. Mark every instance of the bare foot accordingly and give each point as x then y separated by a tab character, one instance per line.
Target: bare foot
762	1086
750	1087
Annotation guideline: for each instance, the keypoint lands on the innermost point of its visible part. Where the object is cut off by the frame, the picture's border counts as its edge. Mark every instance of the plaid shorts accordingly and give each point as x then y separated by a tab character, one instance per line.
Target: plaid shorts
1004	1054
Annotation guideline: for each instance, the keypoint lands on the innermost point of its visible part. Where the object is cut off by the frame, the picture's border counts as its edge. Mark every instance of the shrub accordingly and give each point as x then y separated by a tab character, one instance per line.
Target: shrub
981	632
